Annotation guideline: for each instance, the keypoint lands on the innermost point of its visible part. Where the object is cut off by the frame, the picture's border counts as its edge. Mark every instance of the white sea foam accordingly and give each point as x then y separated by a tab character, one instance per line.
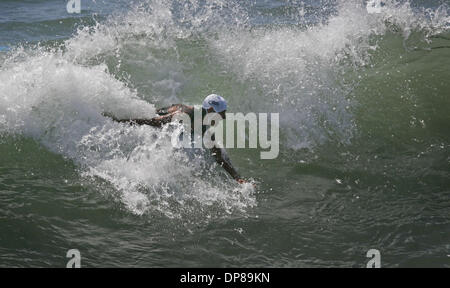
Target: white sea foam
301	71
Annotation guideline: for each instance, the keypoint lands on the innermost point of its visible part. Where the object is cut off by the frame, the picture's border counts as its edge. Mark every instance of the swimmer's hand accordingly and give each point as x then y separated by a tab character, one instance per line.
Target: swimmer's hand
243	181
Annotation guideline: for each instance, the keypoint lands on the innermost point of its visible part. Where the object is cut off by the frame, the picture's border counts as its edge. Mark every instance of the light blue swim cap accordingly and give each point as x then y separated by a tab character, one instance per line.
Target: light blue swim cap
218	103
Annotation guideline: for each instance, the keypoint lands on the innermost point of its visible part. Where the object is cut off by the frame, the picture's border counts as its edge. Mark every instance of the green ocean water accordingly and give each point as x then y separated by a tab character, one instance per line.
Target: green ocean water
364	134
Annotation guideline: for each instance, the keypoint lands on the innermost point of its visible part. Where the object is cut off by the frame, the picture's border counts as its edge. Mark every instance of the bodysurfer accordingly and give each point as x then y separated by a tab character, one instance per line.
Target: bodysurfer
212	104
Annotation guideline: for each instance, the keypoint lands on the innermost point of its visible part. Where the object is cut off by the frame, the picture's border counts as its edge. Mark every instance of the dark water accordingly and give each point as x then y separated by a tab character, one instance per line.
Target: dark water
364	101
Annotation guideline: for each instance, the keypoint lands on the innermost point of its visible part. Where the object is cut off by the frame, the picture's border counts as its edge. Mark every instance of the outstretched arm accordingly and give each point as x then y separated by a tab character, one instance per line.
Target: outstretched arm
155	122
223	160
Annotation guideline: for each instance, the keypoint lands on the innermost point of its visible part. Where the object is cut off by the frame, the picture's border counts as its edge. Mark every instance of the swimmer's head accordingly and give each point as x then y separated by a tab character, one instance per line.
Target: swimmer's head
215	103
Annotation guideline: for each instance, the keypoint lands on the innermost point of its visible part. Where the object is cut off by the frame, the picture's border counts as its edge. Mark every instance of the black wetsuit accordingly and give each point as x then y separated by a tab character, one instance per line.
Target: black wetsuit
219	153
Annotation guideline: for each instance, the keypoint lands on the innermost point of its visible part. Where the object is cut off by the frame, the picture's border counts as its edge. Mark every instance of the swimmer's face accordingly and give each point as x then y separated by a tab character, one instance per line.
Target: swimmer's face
222	114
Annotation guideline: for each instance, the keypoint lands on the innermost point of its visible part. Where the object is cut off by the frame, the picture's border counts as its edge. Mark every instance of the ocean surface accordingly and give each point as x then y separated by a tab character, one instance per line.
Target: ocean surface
364	102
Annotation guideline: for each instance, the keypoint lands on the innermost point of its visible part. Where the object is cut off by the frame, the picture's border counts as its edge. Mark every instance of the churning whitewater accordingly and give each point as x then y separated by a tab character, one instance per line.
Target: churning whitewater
363	99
